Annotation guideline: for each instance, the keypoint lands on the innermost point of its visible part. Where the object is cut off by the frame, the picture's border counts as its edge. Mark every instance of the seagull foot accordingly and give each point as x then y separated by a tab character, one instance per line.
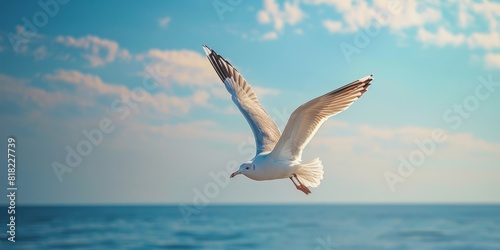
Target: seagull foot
304	189
300	186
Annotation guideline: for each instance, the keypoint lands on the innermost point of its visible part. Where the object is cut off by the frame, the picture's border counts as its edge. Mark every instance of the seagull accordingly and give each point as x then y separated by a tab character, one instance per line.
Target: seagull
278	155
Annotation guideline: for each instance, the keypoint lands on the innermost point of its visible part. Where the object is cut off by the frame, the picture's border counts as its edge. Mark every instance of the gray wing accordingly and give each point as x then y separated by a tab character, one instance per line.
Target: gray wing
306	119
264	129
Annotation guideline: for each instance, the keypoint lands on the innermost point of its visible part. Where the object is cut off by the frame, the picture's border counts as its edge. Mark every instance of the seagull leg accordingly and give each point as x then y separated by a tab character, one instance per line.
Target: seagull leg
301	186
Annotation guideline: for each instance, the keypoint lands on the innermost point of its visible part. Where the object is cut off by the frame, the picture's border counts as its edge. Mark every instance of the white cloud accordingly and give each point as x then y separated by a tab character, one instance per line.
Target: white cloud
184	67
201	97
432	26
457	32
40	53
124	55
394	142
190	69
19	90
464	16
99	51
441	38
359	14
396	15
486	7
191	130
486	41
164	22
271	35
260	91
263	17
90	86
488	10
332	26
270	13
492	60
291	14
413	14
178	104
86	82
219	91
340	5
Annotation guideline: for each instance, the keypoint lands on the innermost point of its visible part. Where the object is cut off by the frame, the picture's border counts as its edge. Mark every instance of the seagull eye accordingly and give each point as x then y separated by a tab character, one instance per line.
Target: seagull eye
247	168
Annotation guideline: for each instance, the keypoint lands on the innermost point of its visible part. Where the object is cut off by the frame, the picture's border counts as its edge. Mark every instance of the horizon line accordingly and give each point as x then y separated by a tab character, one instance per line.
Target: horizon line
259	204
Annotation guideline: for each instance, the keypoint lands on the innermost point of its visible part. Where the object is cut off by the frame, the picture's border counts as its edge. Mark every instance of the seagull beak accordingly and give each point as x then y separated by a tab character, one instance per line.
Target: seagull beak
234	174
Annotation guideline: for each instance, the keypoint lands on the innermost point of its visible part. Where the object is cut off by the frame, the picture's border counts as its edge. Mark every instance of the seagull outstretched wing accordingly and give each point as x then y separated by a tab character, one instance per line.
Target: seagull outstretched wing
306	119
264	129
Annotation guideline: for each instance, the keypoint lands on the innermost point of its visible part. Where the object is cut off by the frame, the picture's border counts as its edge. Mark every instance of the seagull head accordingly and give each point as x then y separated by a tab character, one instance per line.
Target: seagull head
244	168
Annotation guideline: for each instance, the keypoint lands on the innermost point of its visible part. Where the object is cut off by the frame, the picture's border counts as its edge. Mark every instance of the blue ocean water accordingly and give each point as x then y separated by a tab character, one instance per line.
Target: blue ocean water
257	227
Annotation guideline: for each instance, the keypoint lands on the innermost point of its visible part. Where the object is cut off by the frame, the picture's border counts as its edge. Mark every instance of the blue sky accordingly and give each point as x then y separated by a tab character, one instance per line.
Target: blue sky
68	67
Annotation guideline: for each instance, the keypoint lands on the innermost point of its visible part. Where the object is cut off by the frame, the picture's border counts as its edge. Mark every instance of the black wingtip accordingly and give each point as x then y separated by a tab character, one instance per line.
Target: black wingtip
366	78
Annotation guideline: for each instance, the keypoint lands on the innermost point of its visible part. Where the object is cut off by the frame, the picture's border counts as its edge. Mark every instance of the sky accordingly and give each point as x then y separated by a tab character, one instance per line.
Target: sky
115	103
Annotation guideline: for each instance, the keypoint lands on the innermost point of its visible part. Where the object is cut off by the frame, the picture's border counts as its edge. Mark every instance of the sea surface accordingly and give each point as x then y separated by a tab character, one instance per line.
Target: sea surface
256	227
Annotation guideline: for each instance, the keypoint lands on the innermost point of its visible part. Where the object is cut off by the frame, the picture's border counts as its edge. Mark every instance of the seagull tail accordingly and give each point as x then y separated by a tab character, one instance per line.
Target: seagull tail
310	173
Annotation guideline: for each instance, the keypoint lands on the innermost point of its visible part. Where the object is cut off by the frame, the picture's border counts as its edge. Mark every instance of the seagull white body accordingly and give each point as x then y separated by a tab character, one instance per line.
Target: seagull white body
280	155
267	168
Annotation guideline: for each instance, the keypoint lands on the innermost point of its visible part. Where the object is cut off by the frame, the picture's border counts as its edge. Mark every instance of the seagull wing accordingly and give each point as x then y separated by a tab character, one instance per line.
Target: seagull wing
264	129
306	119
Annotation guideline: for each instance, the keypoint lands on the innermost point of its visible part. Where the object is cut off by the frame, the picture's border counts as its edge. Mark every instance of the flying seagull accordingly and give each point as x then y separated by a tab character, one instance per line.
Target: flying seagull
280	155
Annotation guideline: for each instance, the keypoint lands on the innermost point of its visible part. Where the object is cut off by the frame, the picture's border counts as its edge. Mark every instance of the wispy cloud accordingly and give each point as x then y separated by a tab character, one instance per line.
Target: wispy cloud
484	40
271	35
190	130
99	51
261	91
487	42
358	14
392	142
492	60
91	86
187	68
21	92
40	53
86	82
435	23
184	67
291	14
333	26
164	22
442	37
464	16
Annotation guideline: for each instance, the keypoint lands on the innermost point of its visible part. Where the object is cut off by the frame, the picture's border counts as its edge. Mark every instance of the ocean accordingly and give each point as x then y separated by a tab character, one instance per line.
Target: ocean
257	227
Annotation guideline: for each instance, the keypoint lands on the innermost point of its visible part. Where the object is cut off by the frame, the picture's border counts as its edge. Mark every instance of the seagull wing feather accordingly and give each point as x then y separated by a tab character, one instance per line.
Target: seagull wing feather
265	131
307	119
